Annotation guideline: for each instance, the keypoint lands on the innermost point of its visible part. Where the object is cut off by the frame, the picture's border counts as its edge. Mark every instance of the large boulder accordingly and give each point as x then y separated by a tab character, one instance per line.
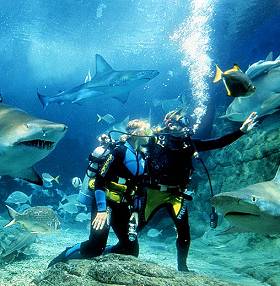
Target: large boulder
119	270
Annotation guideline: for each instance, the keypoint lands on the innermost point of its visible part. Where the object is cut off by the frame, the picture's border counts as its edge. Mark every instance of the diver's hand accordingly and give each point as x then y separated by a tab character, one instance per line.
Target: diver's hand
135	217
249	123
100	220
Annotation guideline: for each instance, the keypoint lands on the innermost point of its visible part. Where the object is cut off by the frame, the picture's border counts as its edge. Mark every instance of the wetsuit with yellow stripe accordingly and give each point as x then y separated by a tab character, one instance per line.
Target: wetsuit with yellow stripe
168	169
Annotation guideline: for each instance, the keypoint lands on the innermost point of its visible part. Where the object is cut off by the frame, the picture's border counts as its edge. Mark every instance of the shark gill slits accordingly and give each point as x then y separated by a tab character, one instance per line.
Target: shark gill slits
41	144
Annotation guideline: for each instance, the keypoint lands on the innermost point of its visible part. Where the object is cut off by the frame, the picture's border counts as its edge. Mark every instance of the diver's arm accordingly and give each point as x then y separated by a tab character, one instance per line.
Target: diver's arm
211	144
100	194
248	124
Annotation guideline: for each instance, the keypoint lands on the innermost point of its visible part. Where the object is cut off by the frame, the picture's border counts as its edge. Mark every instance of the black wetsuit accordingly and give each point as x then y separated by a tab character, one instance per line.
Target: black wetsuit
122	162
168	169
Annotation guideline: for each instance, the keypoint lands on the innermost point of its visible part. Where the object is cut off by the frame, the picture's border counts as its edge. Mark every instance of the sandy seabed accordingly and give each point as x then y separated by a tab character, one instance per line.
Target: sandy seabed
244	259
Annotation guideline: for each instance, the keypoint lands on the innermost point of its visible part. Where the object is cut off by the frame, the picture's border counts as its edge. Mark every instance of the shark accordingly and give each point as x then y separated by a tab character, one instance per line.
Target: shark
255	208
25	140
265	76
106	83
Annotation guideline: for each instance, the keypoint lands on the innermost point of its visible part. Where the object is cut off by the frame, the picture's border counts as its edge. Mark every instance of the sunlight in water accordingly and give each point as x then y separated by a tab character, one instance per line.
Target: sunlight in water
194	39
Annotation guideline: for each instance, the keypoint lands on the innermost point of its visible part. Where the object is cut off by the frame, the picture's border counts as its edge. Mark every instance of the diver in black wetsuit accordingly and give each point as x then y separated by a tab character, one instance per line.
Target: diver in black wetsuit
168	170
115	198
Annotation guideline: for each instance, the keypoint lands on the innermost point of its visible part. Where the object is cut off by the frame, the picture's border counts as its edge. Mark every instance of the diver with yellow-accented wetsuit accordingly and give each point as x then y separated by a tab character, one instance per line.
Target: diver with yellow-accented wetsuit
114	192
168	170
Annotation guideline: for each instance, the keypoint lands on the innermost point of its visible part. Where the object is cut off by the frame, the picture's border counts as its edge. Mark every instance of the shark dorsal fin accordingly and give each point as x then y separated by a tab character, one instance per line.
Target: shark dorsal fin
102	66
276	179
269	57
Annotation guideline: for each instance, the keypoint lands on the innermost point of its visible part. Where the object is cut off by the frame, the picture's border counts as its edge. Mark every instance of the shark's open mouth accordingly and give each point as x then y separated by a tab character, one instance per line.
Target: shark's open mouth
41	144
240	214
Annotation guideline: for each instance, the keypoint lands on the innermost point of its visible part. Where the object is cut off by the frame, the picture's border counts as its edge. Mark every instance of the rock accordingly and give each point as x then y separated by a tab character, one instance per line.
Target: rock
267	273
119	270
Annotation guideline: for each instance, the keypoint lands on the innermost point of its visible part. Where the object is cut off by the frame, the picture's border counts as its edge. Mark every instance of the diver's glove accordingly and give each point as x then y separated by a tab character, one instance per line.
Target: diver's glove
249	123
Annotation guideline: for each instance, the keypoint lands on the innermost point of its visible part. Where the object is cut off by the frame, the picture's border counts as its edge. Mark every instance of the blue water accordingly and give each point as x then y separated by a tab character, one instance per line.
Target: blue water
51	45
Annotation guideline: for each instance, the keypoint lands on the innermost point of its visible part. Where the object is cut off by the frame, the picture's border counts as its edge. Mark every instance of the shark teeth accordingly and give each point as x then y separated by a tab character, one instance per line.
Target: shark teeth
41	144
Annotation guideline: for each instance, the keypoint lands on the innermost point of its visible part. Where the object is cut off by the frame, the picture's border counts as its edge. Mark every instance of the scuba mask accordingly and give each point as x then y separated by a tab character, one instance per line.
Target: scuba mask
175	119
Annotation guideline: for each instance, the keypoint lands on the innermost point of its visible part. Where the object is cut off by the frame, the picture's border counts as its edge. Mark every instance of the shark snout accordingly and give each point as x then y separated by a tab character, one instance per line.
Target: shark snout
54	131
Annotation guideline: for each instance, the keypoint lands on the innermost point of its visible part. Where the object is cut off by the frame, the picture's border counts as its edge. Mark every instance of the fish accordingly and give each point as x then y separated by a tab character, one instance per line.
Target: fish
25	140
106	83
14	242
107	118
153	232
76	182
38	219
266	98
49	178
69	207
236	82
81	217
263	66
255	208
71	198
18	197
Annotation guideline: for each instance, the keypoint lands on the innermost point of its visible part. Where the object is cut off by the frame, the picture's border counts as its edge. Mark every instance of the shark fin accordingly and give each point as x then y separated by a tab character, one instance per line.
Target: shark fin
278	58
218	75
236	67
269	57
101	65
29	175
122	98
12	213
276	179
43	99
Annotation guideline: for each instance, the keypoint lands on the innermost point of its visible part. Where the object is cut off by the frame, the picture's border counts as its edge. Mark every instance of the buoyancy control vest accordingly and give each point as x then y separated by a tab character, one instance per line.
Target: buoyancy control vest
96	160
169	160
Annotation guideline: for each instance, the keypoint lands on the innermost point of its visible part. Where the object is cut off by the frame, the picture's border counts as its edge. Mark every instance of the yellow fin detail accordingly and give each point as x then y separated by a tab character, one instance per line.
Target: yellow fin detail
218	75
228	91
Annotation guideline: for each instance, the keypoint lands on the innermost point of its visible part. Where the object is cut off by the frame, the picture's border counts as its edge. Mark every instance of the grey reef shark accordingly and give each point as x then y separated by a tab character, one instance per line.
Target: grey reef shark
25	140
106	83
255	208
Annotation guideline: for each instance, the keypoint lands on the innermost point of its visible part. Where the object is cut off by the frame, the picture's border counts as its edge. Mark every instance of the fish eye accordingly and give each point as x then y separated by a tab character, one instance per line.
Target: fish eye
254	199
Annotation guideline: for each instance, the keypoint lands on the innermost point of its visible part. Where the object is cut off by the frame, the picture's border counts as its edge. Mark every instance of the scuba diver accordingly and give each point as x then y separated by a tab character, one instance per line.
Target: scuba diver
168	171
112	185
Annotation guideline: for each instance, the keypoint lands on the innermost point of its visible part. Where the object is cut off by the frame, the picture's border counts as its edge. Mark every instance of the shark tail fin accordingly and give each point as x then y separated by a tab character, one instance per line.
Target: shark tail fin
218	75
43	99
277	176
99	118
12	214
56	179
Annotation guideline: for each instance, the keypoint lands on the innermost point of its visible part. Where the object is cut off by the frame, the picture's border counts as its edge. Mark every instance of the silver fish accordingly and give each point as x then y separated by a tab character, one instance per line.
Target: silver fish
39	219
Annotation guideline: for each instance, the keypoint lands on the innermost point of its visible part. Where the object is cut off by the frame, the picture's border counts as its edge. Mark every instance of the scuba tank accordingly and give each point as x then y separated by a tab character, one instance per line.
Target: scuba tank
96	159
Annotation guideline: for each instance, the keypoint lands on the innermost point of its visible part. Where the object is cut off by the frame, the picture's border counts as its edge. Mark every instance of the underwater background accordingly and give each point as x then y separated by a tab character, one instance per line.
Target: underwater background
50	46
